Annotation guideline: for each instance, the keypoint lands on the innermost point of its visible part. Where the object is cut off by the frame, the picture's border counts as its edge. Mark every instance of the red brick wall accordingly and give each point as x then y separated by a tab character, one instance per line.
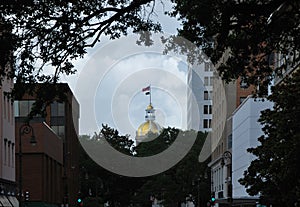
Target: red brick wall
241	92
42	164
69	153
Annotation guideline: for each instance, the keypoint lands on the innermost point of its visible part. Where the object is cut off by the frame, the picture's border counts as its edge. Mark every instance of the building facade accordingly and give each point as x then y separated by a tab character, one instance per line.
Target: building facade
42	165
200	87
8	186
225	99
62	117
239	129
245	131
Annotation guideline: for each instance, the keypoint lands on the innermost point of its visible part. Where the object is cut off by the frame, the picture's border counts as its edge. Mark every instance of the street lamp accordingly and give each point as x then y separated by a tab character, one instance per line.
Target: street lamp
228	156
23	130
198	192
198	180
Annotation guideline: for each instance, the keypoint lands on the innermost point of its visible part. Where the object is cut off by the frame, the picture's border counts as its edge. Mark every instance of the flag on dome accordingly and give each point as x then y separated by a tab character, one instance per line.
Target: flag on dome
146	90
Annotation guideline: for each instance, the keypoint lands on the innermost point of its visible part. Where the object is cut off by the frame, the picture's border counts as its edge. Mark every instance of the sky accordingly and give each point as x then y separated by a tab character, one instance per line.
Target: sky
110	78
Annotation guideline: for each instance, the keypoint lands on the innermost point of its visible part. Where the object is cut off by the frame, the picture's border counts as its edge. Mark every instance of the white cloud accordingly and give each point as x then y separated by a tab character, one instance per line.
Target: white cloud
109	87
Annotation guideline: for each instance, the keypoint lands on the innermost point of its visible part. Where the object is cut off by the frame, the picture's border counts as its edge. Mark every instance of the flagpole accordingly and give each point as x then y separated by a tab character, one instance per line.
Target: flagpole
150	94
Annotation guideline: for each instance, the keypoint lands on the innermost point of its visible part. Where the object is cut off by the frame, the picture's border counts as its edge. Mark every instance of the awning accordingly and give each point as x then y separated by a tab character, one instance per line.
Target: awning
5	202
13	200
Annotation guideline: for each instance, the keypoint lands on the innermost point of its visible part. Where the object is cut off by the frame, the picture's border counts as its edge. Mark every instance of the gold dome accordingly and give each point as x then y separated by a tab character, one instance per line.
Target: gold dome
148	126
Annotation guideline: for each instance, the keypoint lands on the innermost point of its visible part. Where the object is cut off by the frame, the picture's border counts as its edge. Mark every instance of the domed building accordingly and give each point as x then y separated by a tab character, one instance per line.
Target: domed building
149	126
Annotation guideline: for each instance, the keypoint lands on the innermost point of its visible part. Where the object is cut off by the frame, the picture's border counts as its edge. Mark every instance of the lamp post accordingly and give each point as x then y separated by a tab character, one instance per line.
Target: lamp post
23	130
228	156
198	192
200	179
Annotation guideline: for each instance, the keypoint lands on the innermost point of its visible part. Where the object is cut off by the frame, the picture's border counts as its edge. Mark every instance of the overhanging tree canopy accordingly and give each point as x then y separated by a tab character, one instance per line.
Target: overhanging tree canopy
55	32
251	30
275	173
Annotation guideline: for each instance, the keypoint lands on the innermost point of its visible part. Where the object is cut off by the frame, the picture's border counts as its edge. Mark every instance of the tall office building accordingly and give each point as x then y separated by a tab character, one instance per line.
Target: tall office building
200	87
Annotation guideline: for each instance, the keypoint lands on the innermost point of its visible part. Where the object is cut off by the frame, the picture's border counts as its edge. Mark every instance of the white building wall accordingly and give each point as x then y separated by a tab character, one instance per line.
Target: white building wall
245	131
199	80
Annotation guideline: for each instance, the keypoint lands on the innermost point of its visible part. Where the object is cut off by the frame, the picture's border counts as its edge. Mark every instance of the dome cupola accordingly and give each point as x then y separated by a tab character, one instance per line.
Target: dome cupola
149	126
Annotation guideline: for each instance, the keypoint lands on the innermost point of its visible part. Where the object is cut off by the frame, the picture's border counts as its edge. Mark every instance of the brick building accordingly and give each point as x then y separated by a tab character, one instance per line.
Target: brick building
42	165
62	118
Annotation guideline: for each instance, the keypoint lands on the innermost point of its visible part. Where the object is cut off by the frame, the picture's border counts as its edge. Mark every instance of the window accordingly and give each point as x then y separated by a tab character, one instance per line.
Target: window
9	110
243	84
222	178
5	151
4	107
242	99
211	79
206	81
13	154
206	123
58	118
59	130
272	59
16	108
22	108
206	66
229	141
8	163
57	109
206	95
207	109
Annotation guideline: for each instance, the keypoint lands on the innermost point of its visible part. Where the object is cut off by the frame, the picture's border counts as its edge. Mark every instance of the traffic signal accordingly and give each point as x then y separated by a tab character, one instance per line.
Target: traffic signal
212	199
27	195
79	202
